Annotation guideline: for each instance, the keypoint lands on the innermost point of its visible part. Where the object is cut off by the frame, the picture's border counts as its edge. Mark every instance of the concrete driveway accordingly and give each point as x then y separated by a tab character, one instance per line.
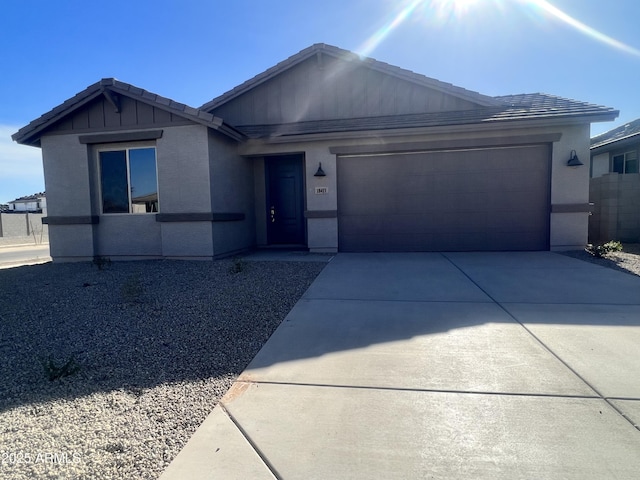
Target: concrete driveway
439	366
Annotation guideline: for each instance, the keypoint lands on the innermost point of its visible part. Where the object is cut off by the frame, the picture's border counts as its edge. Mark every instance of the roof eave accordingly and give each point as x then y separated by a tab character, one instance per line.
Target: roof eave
193	114
259	78
615	143
29	134
571	118
478	126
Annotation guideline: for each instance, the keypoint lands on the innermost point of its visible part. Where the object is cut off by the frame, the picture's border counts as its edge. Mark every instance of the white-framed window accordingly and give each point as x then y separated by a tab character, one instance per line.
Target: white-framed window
625	162
128	180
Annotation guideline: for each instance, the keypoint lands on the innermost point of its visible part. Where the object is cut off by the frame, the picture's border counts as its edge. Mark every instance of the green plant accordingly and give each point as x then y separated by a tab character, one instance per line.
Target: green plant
55	372
237	266
101	262
132	289
605	249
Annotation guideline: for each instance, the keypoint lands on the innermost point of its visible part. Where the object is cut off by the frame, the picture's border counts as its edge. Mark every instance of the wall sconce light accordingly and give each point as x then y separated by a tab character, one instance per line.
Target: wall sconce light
573	160
320	172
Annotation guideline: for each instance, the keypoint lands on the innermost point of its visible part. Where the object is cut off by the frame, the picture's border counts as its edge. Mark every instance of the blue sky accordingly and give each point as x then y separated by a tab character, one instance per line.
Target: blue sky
194	50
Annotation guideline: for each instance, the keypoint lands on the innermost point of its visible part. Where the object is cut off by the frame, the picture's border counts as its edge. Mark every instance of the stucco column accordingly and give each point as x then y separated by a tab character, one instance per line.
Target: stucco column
184	185
569	222
322	200
68	183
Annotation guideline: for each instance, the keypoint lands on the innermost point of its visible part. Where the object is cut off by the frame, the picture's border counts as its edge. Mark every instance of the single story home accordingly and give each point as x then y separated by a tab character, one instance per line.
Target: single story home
615	185
36	203
327	151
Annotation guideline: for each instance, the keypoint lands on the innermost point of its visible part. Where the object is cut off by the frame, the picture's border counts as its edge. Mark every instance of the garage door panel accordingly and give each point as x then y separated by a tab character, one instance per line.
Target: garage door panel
363	225
490	199
428	204
417	184
375	207
391	242
512	241
440	223
448	242
514	201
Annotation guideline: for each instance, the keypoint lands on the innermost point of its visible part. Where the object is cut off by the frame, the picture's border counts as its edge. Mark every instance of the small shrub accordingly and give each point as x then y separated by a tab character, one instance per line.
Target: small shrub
237	266
132	289
101	262
115	448
55	372
605	249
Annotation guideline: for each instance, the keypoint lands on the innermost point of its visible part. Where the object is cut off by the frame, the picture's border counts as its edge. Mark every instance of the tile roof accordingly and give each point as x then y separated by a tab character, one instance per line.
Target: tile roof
30	134
508	108
542	104
624	132
322	48
27	198
490	109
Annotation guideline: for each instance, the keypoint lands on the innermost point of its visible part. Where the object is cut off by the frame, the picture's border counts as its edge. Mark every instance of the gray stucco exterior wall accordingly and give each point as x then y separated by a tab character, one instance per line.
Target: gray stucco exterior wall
183	170
67	179
184	187
232	192
189	160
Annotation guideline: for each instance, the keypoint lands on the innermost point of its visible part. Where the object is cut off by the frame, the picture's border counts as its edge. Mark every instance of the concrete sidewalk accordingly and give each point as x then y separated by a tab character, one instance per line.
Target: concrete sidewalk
439	366
20	255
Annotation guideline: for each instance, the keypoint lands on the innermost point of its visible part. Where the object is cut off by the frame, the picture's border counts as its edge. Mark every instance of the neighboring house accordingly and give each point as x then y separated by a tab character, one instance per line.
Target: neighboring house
36	203
615	185
326	151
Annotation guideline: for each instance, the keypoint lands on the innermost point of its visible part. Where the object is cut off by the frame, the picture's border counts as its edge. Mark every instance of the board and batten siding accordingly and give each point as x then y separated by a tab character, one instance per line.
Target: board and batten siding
100	115
333	89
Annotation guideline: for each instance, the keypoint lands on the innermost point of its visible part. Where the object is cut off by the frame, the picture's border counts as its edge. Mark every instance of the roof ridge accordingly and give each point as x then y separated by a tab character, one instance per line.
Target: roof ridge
338	52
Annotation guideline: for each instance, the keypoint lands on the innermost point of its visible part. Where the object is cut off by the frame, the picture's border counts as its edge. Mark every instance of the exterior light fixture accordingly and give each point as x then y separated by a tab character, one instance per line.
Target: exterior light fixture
573	160
320	172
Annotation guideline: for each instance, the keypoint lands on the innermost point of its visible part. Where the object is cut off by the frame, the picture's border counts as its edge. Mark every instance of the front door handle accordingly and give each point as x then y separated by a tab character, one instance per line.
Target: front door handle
273	214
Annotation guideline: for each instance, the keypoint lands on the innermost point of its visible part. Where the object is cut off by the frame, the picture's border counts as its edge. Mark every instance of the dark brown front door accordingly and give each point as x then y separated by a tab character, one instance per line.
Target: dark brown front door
285	200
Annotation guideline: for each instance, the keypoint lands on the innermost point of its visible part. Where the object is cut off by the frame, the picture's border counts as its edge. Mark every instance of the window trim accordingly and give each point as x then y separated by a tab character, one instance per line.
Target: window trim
126	147
623	154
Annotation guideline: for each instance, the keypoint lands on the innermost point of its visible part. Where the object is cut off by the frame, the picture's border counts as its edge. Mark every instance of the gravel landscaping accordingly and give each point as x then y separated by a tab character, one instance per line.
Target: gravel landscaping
144	351
627	261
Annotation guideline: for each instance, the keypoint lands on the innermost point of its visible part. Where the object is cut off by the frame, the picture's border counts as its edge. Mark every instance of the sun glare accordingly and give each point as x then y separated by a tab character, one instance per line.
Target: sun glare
554	11
442	9
456	7
446	10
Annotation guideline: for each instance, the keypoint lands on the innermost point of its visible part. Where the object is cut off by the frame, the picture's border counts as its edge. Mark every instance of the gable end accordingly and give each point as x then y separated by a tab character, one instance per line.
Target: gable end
115	112
114	105
321	52
324	87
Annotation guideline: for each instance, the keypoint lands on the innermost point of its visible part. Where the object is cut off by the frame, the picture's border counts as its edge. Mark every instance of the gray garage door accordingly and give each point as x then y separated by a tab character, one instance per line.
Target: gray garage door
463	200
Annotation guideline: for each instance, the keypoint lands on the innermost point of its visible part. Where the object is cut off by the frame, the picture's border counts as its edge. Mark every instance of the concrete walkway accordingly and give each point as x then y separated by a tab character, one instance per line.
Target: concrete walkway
438	366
